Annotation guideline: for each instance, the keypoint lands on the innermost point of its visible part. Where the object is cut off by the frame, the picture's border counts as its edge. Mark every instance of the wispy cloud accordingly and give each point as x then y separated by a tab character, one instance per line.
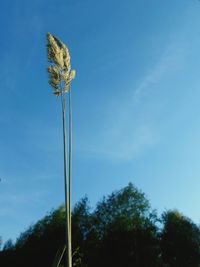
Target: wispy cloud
132	130
172	59
12	203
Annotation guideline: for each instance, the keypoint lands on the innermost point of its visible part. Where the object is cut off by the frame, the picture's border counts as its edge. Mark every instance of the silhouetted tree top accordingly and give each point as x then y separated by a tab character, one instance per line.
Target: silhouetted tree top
180	240
120	231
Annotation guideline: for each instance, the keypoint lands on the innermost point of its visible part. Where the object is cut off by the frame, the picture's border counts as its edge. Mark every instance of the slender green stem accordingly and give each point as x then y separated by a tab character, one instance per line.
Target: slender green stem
66	182
70	160
59	256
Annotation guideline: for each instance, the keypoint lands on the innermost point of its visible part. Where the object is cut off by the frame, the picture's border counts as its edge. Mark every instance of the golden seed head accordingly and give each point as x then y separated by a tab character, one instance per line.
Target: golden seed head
57	93
72	74
60	70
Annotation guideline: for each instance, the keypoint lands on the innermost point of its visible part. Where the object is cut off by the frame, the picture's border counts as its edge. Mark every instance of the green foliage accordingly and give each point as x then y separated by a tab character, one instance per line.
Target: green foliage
121	231
8	245
41	239
180	240
128	206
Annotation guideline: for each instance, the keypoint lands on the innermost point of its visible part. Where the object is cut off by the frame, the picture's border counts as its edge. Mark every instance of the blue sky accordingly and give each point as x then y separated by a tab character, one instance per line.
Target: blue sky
136	105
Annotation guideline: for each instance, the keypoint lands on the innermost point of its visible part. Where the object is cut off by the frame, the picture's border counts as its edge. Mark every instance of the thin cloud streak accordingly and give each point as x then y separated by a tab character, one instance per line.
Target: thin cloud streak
13	204
128	135
173	59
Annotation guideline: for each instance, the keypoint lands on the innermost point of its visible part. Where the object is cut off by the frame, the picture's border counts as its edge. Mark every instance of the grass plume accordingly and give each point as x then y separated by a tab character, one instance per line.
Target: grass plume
60	73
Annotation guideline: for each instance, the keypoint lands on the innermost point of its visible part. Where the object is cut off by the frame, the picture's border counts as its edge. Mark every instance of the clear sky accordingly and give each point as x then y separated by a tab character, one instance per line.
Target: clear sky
136	104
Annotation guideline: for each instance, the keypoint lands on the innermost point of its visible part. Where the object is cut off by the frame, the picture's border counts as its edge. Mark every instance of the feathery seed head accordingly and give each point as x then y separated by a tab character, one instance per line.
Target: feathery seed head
52	48
68	80
57	93
72	74
60	74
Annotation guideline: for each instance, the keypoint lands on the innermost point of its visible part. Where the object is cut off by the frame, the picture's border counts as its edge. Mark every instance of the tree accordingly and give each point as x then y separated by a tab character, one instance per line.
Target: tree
126	224
121	231
180	240
1	242
128	206
38	245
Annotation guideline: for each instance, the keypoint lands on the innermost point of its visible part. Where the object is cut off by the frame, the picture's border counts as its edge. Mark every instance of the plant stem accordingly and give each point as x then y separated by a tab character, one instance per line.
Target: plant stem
70	161
66	184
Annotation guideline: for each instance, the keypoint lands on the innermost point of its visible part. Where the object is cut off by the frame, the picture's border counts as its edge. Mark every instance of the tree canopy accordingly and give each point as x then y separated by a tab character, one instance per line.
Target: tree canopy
122	230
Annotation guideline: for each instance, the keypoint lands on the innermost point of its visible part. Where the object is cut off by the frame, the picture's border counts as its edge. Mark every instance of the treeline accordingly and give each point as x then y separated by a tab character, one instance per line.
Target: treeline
121	231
